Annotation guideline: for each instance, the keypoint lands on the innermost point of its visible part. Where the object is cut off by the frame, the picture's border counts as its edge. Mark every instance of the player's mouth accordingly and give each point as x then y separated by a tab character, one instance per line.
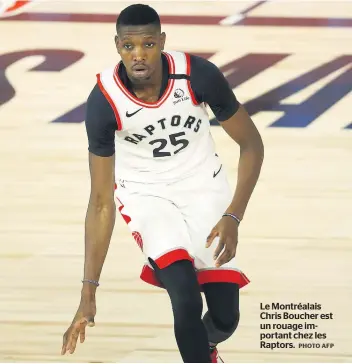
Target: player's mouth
140	70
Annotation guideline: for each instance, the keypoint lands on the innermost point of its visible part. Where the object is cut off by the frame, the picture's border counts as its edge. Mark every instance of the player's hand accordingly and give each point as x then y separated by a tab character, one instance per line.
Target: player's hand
227	231
83	318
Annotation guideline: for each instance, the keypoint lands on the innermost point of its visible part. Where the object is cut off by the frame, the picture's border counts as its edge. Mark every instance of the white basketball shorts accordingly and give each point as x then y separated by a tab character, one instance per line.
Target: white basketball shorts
171	222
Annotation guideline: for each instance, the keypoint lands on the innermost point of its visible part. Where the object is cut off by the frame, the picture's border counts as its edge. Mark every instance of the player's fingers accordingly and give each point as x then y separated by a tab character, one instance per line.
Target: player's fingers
218	249
64	344
67	341
224	258
213	234
227	255
82	332
221	245
90	321
72	337
86	321
73	342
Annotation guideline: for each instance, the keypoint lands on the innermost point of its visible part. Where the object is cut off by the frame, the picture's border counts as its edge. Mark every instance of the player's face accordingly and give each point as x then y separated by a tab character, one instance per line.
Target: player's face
140	50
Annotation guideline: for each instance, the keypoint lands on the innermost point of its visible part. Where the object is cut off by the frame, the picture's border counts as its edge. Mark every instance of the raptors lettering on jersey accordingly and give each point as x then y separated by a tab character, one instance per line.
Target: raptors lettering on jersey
162	124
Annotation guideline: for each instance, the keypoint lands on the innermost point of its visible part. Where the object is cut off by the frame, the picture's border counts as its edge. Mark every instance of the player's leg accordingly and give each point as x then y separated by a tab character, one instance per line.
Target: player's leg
180	281
223	315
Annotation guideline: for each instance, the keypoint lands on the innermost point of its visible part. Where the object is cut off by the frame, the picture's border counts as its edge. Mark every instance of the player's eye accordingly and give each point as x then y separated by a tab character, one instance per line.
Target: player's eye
127	46
150	45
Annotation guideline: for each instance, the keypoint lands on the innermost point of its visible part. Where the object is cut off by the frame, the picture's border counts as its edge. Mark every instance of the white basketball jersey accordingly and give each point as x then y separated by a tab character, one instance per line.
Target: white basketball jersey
162	141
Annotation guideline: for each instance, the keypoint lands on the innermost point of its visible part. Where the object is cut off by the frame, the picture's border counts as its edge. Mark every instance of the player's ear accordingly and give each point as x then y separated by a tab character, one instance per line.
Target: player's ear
162	40
117	44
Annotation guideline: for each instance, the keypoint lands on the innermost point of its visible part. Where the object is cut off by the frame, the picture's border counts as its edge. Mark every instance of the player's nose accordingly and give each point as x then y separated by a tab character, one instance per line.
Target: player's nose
139	54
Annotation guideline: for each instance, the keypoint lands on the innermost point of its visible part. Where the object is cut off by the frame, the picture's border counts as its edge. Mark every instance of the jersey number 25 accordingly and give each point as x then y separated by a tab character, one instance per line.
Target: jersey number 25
174	140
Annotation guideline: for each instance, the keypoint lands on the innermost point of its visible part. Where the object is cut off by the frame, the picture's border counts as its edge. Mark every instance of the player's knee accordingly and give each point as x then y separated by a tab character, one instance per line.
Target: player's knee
181	283
187	307
236	319
227	322
220	330
231	326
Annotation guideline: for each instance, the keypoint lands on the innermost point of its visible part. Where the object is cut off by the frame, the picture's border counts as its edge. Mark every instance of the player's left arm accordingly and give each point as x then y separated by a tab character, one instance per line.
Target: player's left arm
211	87
241	129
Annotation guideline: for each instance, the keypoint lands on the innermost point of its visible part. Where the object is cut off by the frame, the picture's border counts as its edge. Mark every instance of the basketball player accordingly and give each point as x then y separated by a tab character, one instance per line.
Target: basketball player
151	153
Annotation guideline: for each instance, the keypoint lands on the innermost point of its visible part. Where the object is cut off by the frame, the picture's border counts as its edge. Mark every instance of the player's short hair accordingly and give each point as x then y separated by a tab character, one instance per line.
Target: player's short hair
138	14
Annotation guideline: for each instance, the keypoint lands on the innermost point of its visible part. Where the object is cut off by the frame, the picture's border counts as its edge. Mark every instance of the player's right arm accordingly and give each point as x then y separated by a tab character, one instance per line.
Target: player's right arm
100	219
101	211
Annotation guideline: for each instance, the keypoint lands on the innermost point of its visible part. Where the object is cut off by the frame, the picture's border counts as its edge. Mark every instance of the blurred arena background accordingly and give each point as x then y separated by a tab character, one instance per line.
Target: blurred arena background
289	62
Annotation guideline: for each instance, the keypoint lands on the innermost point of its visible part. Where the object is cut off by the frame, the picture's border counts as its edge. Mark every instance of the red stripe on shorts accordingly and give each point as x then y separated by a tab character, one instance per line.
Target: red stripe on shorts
138	238
205	276
171	257
222	275
125	217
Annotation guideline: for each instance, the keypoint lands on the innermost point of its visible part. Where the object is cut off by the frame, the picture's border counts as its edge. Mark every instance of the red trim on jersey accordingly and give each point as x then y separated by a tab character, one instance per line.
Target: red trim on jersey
117	116
172	257
188	72
144	103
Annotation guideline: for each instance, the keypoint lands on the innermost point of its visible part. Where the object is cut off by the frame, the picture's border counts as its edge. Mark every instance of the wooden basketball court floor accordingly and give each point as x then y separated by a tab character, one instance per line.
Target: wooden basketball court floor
290	63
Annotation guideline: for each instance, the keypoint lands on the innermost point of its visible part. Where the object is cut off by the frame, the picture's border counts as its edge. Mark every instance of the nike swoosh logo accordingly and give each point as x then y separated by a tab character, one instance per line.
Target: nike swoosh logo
129	115
215	174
